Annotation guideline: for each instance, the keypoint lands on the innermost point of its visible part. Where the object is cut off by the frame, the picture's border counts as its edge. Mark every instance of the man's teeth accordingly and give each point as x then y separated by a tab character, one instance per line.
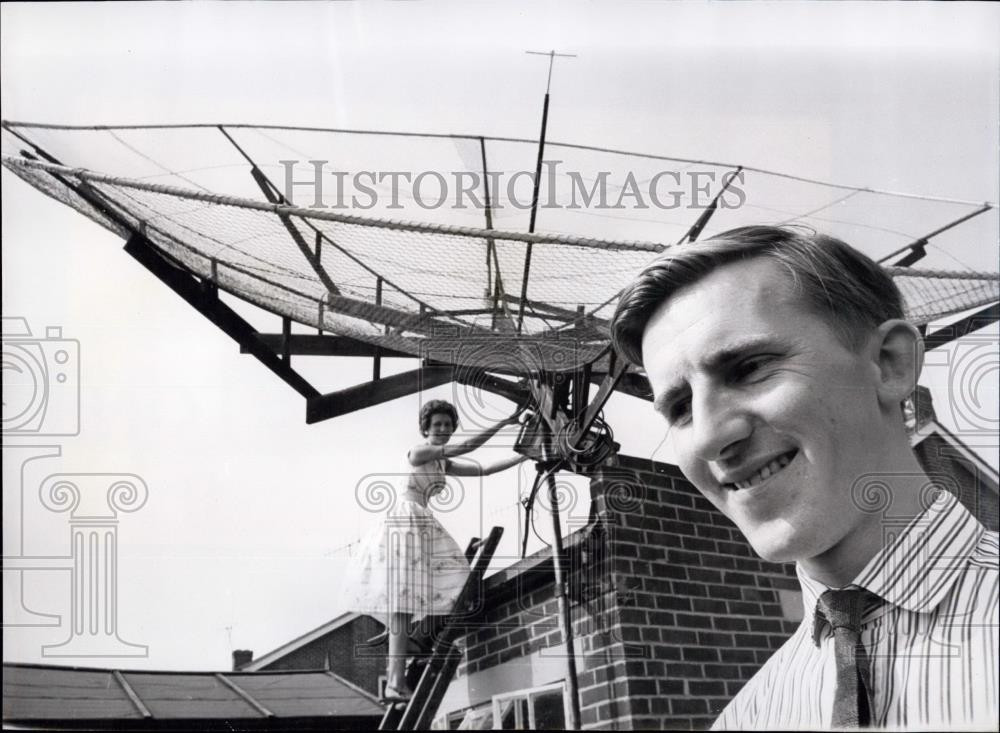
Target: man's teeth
766	472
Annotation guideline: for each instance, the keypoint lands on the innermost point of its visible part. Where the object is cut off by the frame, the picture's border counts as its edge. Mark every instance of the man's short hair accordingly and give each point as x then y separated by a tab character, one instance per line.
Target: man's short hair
845	287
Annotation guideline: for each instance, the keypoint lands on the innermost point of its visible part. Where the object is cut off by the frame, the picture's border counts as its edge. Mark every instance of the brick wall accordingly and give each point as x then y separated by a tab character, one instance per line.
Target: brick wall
343	651
672	611
698	610
521	618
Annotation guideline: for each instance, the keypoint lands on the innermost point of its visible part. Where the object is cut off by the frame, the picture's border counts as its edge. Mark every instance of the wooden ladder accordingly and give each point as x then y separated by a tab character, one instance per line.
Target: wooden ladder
432	672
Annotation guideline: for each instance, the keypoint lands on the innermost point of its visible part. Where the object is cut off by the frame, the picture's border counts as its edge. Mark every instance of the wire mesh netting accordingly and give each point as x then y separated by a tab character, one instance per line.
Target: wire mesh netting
417	243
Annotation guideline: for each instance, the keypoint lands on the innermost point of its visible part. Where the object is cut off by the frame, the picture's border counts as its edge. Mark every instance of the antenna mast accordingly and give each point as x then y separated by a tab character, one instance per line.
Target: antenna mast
538	178
565	619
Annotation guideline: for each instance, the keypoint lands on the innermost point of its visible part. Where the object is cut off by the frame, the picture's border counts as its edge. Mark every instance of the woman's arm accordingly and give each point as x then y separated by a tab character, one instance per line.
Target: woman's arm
424	453
468	468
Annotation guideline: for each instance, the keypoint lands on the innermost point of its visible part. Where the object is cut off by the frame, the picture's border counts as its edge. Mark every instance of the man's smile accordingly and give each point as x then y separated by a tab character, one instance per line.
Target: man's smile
753	477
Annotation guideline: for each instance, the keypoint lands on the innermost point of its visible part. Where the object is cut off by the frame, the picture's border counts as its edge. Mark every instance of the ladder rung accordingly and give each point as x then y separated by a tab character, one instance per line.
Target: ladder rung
439	686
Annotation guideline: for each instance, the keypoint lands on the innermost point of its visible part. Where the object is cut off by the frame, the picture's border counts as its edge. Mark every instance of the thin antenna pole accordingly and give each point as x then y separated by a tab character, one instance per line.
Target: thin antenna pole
565	616
552	57
562	602
538	180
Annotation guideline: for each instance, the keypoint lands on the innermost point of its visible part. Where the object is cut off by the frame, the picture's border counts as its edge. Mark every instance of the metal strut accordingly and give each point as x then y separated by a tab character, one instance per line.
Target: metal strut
271	190
565	617
695	231
202	295
209	305
916	249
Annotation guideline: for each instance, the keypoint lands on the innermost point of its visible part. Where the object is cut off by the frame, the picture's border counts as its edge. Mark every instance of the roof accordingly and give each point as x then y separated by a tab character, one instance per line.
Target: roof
51	694
297	643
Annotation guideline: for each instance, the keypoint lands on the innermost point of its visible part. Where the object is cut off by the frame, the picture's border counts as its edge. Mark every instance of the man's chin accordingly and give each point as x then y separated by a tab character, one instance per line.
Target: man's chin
778	548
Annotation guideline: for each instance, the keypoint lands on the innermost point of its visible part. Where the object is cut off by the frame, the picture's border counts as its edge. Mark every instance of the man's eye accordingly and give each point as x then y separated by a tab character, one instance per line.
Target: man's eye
679	410
746	368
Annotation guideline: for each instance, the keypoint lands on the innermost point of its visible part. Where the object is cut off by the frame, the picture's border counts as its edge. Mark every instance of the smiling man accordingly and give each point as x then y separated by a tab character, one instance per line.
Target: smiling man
780	360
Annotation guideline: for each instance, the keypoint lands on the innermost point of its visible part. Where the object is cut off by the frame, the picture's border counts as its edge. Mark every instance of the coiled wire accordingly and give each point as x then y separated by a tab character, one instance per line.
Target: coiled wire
595	446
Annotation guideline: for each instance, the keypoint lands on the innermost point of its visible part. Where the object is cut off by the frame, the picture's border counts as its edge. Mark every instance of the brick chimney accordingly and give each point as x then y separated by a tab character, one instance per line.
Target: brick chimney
241	658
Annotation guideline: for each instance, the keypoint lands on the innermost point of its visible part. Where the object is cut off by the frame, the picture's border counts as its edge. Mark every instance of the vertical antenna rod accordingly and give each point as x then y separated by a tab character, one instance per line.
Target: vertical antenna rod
565	618
538	179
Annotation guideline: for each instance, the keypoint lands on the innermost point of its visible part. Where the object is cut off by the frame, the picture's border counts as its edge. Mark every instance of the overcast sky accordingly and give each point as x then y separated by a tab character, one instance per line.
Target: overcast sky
251	512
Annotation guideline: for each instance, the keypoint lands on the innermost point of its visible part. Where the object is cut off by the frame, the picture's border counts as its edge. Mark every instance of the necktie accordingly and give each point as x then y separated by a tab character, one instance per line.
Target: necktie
842	609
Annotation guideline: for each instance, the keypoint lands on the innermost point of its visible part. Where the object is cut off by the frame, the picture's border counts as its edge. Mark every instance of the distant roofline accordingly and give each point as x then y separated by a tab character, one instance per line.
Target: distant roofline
274	655
187	672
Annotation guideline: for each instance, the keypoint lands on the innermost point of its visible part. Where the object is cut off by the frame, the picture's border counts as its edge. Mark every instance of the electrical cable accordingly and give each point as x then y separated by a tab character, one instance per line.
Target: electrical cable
593	448
528	503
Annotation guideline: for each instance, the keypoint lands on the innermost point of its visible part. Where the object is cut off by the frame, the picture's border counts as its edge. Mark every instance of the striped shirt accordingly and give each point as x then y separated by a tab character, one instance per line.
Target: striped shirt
933	642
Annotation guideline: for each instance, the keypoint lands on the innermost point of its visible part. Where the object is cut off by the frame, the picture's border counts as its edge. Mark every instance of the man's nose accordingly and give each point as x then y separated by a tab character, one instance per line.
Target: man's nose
720	424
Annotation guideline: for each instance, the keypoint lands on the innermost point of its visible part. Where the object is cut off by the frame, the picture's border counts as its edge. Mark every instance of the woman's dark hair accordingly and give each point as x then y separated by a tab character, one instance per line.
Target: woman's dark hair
437	407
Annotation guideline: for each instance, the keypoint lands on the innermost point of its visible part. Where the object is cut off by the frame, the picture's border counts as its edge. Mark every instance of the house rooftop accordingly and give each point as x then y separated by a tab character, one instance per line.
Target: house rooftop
73	697
299	642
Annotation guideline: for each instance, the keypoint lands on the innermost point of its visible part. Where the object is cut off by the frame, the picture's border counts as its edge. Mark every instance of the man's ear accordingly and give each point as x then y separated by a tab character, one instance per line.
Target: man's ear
900	357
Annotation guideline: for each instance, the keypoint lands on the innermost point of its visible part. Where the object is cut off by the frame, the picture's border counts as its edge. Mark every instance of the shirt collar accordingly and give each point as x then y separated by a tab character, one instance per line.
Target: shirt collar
920	562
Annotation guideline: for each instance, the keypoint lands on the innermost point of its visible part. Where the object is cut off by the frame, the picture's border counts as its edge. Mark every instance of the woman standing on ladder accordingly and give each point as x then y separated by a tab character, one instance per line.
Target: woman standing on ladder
409	566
